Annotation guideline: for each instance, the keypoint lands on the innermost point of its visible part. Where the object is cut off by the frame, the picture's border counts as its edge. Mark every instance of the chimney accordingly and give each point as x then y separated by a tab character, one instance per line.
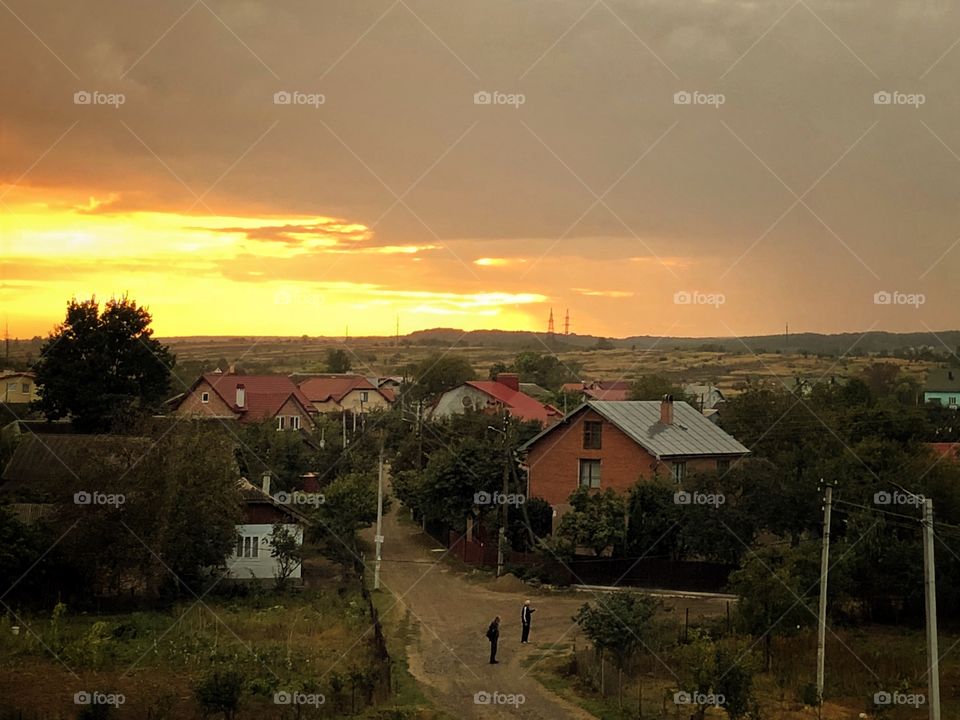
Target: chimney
511	380
266	483
241	395
666	410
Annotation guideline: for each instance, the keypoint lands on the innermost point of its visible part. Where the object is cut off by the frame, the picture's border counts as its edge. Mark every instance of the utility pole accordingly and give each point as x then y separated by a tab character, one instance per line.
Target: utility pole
379	536
502	534
822	617
930	593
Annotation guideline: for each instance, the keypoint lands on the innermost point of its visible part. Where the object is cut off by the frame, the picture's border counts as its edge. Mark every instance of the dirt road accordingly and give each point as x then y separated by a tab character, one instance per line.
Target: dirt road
449	654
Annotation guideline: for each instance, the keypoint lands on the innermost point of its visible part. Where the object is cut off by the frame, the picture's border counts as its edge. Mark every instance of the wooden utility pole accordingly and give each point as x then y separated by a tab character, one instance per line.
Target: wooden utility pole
379	536
822	615
502	535
930	593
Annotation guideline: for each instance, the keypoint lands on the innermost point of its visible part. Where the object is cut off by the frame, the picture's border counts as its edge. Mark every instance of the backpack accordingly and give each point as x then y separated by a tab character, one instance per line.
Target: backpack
491	632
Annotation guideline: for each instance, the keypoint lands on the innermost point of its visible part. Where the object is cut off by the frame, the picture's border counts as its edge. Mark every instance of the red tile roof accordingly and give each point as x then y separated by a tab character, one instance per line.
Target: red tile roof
265	394
600	389
949	450
519	404
600	393
323	389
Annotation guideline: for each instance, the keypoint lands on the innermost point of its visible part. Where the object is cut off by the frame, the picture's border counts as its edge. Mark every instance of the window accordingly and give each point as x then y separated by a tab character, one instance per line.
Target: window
678	471
295	422
26	389
12	387
205	398
248	546
363	396
952	400
723	465
281	422
589	473
591	434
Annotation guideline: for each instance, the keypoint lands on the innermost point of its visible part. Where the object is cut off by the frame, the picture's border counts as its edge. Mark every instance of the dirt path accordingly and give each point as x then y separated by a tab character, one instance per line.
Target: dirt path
450	613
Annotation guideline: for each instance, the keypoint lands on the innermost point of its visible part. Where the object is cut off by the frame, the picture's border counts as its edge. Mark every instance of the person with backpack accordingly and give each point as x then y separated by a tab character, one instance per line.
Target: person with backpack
493	635
525	616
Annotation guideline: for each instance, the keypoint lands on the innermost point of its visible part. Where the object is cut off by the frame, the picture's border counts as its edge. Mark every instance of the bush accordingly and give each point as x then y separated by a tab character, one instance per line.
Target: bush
219	691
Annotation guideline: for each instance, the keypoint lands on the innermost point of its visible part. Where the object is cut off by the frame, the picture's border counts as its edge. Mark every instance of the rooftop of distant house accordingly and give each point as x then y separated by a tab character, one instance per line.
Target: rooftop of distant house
599	389
262	396
943	380
506	391
335	387
664	428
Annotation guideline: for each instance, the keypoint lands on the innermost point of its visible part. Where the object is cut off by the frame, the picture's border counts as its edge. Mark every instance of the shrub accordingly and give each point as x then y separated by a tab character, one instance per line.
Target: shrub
219	691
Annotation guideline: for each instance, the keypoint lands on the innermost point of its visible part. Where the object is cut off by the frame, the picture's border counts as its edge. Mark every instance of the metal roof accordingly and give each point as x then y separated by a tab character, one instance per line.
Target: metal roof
689	435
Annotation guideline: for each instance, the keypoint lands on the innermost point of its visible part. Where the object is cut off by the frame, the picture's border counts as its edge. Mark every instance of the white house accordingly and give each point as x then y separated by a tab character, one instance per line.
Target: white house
251	558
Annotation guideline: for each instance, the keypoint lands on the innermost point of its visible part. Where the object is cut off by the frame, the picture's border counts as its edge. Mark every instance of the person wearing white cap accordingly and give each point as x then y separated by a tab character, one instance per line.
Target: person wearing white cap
525	615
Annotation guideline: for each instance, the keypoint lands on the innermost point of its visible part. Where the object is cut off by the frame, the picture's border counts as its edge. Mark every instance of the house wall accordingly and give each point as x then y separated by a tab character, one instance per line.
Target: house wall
947	399
193	405
292	408
554	462
451	402
375	401
11	389
264	566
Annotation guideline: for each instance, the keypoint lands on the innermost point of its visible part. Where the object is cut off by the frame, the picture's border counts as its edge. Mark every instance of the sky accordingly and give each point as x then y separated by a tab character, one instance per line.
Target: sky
666	167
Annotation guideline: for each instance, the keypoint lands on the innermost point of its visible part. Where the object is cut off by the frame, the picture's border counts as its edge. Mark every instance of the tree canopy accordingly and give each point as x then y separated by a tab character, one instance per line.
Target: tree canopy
100	368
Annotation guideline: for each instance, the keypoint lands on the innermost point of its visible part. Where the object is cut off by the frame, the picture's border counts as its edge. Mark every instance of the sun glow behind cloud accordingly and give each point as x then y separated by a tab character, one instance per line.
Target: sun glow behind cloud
264	275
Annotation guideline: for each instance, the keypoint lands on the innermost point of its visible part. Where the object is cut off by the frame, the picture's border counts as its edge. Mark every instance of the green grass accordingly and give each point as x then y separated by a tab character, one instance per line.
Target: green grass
303	641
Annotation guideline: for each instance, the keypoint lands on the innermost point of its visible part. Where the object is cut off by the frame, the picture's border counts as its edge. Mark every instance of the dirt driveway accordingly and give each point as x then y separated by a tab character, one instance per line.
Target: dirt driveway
449	654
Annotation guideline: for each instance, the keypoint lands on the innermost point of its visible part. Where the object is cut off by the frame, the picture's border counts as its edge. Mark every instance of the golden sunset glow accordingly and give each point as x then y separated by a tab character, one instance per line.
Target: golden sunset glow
202	274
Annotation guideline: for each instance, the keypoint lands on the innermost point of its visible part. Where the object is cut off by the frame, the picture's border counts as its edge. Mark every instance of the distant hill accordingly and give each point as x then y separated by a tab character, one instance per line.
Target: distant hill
815	343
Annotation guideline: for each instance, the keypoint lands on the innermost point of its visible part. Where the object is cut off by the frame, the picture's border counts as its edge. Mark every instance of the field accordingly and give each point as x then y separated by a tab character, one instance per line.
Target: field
725	369
155	659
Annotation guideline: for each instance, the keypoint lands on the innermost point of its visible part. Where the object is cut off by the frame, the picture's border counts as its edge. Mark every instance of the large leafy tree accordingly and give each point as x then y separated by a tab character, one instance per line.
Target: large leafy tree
338	361
175	523
350	504
596	521
100	368
654	387
618	623
777	588
436	374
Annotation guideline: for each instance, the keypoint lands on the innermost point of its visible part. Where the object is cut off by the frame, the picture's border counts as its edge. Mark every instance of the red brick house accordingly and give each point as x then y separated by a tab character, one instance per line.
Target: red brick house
247	399
613	444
